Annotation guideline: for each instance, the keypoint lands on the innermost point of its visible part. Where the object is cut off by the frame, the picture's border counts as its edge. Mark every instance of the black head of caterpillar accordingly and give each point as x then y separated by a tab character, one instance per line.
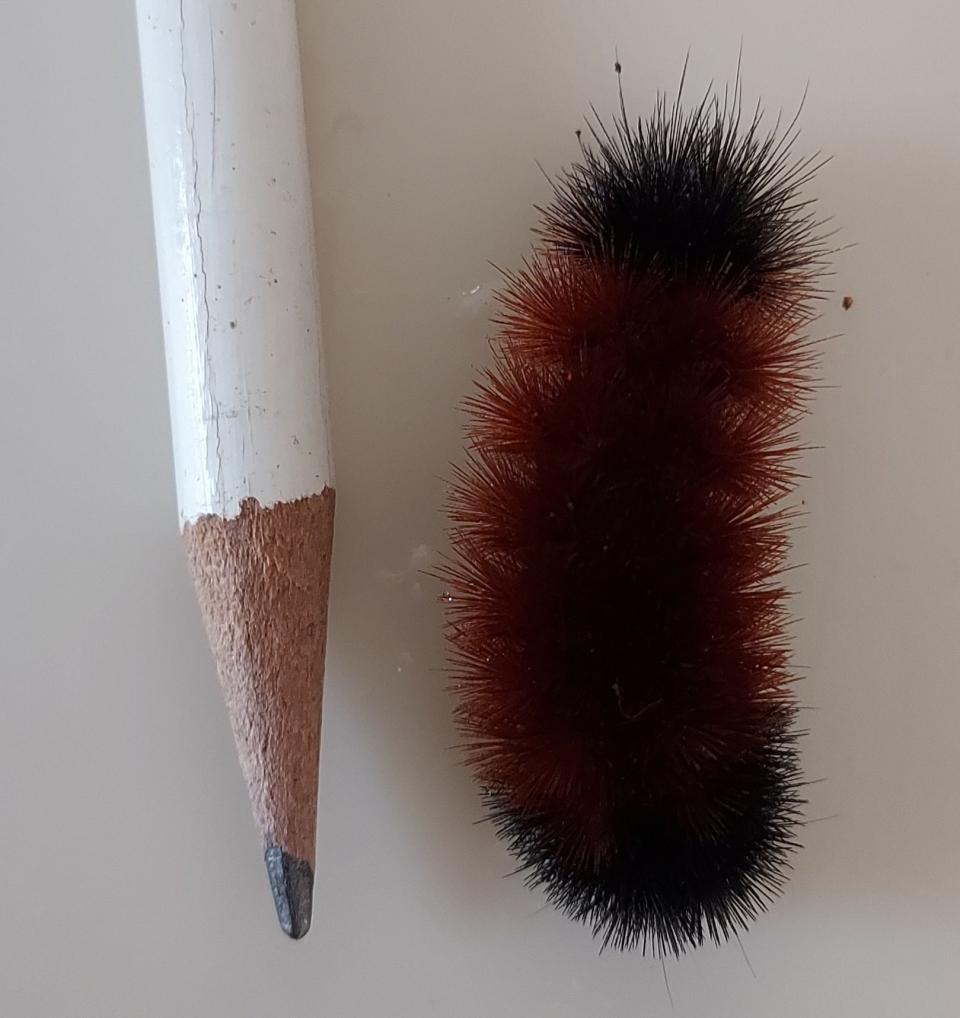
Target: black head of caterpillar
615	607
700	192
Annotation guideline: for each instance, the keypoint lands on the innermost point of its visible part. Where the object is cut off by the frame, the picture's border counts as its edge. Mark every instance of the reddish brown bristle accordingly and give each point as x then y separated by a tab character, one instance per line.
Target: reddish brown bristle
616	616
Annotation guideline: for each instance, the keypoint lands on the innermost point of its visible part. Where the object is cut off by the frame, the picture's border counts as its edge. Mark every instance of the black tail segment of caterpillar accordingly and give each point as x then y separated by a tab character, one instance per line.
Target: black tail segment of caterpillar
615	605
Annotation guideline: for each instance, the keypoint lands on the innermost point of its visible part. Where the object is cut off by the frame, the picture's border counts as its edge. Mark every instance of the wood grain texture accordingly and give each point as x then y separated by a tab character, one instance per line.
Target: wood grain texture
262	580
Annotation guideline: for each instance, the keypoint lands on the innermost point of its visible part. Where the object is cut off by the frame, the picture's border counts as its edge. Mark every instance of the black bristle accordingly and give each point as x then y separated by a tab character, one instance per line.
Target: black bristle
690	194
663	891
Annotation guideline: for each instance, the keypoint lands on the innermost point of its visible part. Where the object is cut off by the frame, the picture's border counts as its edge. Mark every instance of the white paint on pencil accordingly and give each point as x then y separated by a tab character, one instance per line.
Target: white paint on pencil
235	246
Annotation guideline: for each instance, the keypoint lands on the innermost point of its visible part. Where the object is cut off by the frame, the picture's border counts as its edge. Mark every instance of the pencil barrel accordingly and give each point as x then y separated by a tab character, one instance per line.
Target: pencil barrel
236	252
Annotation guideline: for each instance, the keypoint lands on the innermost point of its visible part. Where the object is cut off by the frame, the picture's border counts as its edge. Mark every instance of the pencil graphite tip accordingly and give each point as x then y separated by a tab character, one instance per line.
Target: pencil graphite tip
291	881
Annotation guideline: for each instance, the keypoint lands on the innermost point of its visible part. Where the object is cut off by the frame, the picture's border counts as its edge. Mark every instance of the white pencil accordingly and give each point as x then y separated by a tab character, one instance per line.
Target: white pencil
235	247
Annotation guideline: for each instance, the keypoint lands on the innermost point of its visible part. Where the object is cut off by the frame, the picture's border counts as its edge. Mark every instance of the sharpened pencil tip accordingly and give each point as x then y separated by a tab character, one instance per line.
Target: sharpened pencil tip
291	880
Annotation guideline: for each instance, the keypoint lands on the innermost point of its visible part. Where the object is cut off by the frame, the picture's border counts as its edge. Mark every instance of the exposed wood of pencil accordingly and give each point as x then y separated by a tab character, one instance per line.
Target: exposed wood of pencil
262	579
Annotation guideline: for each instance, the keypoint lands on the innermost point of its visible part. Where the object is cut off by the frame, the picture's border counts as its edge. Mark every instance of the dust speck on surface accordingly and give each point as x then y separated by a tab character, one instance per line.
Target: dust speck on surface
421	558
847	303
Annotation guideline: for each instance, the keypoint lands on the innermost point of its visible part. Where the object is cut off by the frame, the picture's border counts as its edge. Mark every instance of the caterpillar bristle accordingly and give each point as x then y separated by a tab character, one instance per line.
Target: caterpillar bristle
616	609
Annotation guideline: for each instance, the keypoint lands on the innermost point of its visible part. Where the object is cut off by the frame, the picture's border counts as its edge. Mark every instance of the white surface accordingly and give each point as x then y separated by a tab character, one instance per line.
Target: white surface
236	254
132	884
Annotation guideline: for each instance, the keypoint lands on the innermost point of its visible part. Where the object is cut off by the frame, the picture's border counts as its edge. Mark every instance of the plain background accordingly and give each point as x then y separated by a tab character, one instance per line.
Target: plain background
131	881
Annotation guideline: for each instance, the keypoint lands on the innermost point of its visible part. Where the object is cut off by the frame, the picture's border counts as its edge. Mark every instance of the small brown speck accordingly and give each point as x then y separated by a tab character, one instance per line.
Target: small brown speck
846	303
233	325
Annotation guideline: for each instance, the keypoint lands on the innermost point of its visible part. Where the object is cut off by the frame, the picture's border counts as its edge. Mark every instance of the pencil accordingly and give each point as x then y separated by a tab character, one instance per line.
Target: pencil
255	487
